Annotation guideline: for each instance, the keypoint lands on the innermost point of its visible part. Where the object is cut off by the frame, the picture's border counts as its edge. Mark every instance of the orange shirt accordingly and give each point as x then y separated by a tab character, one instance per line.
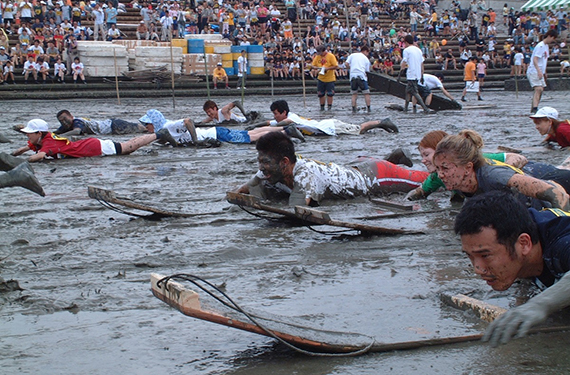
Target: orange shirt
469	72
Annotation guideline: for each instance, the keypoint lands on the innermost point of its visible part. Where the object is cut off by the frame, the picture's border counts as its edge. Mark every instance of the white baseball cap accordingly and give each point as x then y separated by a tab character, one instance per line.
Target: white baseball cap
35	125
546	112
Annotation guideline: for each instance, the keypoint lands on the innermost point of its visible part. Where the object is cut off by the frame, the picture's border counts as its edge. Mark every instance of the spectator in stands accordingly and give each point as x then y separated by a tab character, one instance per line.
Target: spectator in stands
142	31
77	70
59	70
43	69
30	68
8	72
113	33
449	59
219	74
111	14
99	22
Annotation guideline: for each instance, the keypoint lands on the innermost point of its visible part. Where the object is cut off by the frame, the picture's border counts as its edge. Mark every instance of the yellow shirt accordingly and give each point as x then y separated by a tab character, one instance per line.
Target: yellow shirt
219	72
329	60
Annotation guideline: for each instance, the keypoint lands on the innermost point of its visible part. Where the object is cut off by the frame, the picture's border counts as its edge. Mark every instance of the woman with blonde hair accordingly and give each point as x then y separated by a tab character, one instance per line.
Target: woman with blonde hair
427	147
461	166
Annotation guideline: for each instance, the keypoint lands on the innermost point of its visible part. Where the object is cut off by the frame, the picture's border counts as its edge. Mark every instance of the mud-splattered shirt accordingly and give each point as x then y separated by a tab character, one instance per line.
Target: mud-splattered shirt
317	181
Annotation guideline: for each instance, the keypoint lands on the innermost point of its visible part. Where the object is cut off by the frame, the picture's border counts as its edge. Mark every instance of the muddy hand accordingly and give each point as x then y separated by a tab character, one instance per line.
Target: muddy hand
515	323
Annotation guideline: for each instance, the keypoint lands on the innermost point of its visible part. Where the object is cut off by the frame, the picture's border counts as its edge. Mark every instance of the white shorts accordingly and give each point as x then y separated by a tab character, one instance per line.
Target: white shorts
344	128
534	81
108	147
565	64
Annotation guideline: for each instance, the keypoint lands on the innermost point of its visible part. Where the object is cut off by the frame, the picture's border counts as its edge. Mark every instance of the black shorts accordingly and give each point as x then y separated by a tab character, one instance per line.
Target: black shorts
412	87
325	88
424	91
358	83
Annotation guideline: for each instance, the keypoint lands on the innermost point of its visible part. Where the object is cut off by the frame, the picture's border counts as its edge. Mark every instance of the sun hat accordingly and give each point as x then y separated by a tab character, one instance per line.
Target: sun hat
35	125
546	112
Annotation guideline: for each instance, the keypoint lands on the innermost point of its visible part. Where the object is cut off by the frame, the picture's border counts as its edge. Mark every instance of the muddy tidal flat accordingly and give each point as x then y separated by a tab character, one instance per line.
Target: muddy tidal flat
86	308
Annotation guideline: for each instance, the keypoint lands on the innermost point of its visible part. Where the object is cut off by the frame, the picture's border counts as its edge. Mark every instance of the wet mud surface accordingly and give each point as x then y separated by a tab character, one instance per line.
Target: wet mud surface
86	305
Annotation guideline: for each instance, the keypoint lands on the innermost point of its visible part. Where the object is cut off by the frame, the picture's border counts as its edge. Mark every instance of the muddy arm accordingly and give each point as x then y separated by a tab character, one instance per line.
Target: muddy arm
20	151
75	131
37	157
516	322
543	190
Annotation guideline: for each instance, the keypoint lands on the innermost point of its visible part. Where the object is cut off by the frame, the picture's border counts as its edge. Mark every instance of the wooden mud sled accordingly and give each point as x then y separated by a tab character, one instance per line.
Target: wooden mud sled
309	216
390	85
109	199
295	335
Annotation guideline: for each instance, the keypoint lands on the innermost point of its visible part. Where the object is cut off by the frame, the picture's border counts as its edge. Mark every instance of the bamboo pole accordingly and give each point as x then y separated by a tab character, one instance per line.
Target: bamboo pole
301	63
206	70
116	76
172	71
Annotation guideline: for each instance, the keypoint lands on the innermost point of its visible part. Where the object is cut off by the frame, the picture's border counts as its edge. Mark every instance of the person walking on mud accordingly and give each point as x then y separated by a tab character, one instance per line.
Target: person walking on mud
529	244
413	60
327	63
359	65
47	144
536	71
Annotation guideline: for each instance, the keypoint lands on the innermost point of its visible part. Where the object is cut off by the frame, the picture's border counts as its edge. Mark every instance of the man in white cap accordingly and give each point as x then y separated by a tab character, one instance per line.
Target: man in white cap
142	31
47	144
219	74
547	123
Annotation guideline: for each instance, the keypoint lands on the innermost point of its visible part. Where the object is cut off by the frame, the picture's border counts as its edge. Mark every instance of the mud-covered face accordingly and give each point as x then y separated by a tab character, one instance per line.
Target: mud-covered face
65	120
542	124
490	259
454	176
427	158
270	167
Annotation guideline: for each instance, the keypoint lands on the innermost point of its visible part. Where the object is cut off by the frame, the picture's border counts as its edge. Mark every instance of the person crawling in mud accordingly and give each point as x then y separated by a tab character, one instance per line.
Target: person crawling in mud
284	175
78	126
18	173
46	144
282	117
185	132
505	241
225	115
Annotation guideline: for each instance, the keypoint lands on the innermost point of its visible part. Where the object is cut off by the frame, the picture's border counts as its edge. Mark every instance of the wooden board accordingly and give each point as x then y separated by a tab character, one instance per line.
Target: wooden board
485	311
188	302
390	85
108	198
310	216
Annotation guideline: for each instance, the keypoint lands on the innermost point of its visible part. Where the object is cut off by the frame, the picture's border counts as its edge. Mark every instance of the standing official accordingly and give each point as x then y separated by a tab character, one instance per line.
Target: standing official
359	65
414	61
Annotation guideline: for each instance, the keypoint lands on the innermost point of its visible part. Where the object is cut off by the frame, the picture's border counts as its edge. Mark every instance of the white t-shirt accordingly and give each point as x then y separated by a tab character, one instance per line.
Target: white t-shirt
432	82
519	58
233	116
28	65
318	181
540	51
77	68
311	126
182	135
359	65
242	65
58	67
414	58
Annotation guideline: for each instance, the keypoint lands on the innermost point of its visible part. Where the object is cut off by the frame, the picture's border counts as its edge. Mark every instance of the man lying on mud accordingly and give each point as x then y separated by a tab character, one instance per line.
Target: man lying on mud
225	114
18	173
283	175
78	126
47	144
332	127
530	244
185	132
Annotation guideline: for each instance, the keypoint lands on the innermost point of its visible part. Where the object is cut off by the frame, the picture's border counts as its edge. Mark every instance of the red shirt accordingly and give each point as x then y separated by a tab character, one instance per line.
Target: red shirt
64	147
562	134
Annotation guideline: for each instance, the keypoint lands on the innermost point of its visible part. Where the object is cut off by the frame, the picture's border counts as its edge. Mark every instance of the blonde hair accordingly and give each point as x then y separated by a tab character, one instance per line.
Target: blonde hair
464	147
